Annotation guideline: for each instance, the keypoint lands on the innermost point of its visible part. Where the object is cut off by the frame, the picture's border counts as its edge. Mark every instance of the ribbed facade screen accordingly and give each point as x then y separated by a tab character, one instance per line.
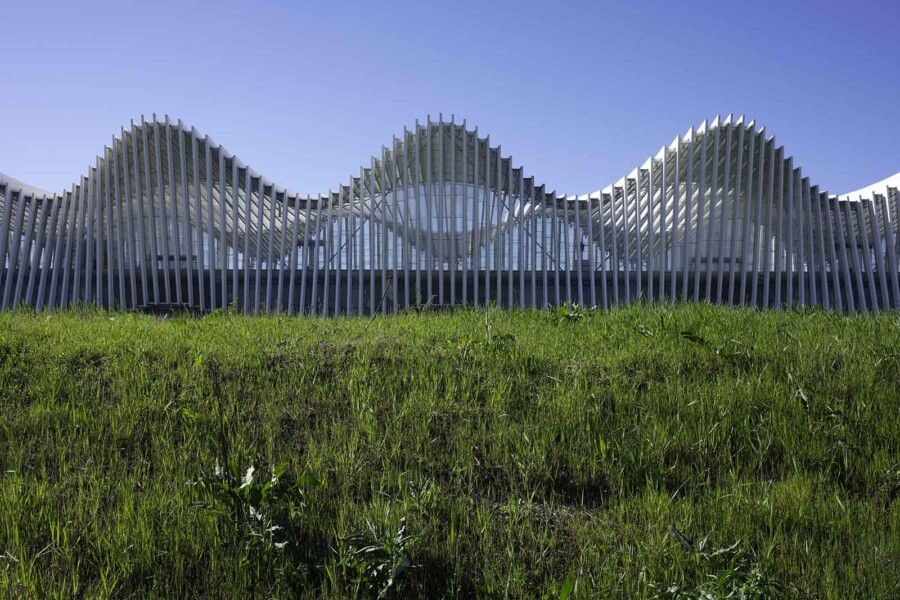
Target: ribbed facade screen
166	218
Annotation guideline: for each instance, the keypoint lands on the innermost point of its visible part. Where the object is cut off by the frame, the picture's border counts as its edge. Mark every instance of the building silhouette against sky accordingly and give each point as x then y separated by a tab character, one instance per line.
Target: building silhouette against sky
443	217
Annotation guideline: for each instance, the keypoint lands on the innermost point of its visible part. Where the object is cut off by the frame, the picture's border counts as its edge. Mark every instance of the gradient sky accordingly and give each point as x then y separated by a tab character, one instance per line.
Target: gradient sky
578	92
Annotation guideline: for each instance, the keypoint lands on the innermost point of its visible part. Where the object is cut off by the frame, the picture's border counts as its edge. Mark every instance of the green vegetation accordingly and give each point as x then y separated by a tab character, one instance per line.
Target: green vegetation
648	452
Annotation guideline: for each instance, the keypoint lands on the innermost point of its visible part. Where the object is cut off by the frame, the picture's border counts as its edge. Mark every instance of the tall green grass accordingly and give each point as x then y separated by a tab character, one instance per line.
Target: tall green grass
646	452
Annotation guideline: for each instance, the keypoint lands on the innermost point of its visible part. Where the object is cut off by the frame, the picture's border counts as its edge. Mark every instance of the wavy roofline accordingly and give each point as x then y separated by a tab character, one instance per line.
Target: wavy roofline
721	214
866	191
870	190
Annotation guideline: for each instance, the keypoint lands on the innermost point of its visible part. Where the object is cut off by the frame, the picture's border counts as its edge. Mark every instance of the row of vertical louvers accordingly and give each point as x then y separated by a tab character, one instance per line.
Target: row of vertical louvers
167	218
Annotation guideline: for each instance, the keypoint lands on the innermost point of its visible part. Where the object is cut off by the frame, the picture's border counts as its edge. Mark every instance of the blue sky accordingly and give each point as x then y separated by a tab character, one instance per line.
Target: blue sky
578	92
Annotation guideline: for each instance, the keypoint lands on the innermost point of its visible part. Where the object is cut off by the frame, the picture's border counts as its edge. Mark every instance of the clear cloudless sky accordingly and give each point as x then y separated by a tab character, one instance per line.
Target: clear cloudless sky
578	92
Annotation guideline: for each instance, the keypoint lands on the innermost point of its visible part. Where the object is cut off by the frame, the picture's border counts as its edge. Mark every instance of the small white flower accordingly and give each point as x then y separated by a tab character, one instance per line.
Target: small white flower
248	477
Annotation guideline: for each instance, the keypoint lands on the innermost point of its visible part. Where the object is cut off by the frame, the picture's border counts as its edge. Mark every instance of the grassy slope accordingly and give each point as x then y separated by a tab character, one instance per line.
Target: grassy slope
520	448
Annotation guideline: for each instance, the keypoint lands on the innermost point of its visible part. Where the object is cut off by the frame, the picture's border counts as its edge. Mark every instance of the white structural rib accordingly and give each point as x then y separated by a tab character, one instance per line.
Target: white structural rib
166	218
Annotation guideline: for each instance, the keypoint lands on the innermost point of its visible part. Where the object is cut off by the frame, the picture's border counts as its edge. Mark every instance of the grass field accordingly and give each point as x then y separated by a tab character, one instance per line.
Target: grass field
648	452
